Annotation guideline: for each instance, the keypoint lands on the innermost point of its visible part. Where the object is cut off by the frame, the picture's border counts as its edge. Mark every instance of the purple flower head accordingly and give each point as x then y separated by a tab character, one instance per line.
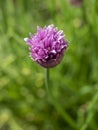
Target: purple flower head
77	3
47	46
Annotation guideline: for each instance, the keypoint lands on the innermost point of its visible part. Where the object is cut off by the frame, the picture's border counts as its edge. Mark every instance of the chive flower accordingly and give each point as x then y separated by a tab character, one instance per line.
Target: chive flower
76	2
47	46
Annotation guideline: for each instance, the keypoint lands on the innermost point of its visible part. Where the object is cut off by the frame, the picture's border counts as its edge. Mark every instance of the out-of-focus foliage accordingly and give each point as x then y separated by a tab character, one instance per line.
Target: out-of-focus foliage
24	103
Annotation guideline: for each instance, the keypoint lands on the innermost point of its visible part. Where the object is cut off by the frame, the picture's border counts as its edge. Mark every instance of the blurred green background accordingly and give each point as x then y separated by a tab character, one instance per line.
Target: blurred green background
24	101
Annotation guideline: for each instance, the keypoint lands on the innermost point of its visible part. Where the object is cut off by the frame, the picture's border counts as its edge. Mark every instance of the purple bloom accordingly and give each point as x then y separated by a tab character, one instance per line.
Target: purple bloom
76	2
47	46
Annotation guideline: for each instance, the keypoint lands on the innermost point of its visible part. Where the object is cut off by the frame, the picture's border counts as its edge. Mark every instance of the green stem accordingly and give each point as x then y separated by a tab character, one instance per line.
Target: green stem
91	112
57	105
47	79
4	14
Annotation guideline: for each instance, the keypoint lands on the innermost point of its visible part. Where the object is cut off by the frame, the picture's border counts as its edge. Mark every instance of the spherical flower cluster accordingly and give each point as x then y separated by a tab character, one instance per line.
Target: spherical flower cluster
47	46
